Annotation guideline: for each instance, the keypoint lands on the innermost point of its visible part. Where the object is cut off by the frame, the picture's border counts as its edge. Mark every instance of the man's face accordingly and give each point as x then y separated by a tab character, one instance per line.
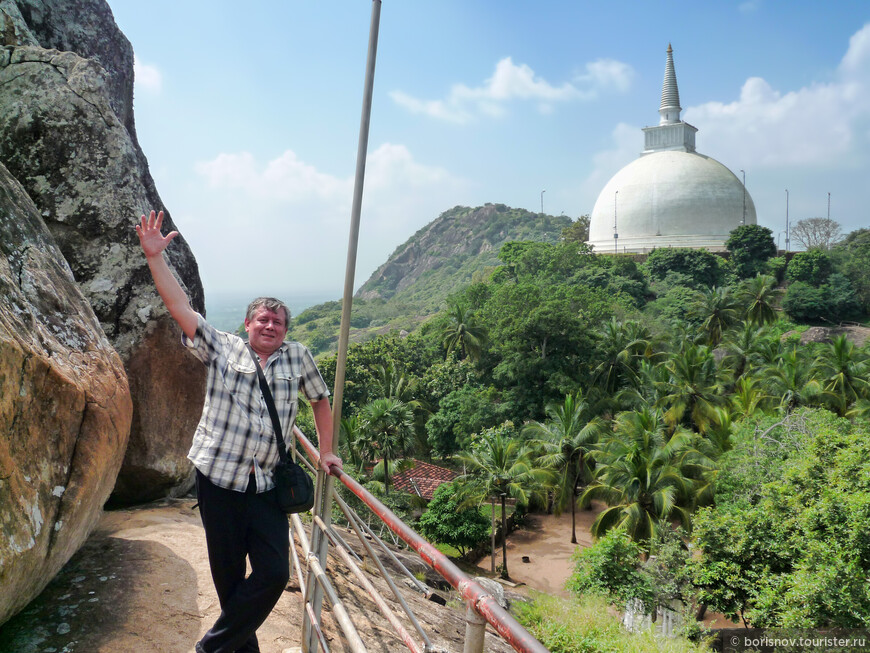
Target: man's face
266	330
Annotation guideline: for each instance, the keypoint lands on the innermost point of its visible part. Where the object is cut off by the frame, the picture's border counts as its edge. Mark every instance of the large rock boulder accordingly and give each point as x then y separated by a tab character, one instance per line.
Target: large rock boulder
65	406
67	135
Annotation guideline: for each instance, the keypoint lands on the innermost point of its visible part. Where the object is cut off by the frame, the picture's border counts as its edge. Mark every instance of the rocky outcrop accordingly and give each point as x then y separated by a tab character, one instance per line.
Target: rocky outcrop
65	406
453	241
856	334
67	135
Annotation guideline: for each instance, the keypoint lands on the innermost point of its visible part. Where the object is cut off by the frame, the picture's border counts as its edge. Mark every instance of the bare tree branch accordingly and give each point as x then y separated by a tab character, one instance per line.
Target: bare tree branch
817	233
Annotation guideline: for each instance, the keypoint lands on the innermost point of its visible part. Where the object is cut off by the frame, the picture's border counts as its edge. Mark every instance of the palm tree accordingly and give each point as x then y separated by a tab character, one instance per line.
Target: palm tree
692	392
623	346
563	442
760	297
388	425
843	370
748	398
643	475
500	467
652	381
743	348
462	332
860	410
718	311
793	380
352	440
392	384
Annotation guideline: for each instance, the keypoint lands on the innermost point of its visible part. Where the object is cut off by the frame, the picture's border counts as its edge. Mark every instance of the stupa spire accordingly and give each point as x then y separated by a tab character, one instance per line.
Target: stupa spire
671	133
670	107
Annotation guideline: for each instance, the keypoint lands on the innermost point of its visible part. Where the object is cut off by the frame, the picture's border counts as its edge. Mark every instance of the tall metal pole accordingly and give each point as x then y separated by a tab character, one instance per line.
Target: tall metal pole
542	201
829	206
615	234
323	508
743	221
786	222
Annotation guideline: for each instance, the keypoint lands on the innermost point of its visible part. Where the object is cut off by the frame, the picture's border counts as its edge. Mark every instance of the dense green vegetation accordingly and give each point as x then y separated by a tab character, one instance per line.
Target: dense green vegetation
666	389
458	248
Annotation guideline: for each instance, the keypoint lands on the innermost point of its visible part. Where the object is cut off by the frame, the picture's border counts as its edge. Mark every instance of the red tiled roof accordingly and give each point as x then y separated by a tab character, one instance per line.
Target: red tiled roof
423	479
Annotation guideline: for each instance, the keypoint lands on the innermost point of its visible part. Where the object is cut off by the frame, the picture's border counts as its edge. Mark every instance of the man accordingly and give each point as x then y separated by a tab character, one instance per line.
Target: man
234	449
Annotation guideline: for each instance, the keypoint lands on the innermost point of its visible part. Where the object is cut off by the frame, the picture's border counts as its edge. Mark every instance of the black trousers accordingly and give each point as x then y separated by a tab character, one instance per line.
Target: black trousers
239	525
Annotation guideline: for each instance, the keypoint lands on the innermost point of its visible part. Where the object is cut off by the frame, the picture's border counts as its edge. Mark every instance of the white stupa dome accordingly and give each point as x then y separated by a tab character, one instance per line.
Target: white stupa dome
671	196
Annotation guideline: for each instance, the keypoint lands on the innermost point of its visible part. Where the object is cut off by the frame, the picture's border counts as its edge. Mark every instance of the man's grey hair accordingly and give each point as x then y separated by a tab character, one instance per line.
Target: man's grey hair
270	303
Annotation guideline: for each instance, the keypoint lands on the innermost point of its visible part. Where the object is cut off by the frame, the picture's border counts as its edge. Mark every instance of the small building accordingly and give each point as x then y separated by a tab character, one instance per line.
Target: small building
672	196
423	479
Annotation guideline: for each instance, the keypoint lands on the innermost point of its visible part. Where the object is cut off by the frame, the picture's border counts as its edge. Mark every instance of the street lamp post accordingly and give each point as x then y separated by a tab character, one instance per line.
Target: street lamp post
542	200
615	234
786	222
829	206
743	221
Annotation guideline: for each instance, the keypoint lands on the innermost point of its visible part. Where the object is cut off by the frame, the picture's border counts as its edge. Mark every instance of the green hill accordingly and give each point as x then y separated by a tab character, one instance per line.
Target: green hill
458	246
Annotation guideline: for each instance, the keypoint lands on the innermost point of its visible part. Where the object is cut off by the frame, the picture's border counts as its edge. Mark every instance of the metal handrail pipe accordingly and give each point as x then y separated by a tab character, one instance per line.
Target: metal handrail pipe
355	520
322	580
401	631
483	602
315	626
422	587
335	535
339	612
297	566
300	531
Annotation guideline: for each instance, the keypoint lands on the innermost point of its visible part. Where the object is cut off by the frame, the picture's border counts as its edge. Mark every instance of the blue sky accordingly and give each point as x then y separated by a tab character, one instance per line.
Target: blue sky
250	117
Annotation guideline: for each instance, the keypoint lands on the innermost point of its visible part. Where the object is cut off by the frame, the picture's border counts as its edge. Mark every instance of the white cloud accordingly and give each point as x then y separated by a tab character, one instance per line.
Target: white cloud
814	125
147	77
854	63
511	82
432	108
822	125
608	73
297	219
285	179
628	143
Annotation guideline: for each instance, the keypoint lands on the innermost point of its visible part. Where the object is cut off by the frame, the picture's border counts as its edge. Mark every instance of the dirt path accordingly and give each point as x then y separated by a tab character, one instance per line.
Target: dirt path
546	542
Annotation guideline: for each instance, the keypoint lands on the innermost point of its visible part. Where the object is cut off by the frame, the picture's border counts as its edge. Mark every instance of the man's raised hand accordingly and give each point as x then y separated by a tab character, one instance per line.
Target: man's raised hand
150	238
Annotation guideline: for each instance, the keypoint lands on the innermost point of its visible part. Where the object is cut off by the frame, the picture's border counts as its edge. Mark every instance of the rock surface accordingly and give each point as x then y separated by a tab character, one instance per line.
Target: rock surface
67	135
857	335
65	406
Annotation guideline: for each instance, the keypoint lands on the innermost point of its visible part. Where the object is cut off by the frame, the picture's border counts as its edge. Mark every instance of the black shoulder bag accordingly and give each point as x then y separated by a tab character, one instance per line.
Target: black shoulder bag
293	486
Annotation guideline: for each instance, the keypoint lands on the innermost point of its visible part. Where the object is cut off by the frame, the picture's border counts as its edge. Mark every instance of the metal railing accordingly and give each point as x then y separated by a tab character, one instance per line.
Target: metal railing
482	607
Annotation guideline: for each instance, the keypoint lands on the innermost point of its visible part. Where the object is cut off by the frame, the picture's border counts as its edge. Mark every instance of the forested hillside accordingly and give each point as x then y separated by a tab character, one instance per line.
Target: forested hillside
458	247
448	251
562	377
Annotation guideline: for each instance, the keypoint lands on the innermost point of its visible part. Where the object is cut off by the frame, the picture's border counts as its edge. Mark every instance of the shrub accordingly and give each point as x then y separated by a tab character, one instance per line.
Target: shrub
445	522
611	569
776	268
805	303
698	264
812	267
751	245
834	301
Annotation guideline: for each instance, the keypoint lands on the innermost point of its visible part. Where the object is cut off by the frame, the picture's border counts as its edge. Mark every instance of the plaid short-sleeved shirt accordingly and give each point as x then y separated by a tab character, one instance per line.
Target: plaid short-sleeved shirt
235	435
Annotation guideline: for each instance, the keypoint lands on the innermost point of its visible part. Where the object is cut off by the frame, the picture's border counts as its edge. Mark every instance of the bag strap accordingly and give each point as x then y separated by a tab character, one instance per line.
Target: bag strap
270	404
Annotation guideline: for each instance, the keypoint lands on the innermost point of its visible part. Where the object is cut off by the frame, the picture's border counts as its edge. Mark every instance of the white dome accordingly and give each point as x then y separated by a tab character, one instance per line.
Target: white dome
670	198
